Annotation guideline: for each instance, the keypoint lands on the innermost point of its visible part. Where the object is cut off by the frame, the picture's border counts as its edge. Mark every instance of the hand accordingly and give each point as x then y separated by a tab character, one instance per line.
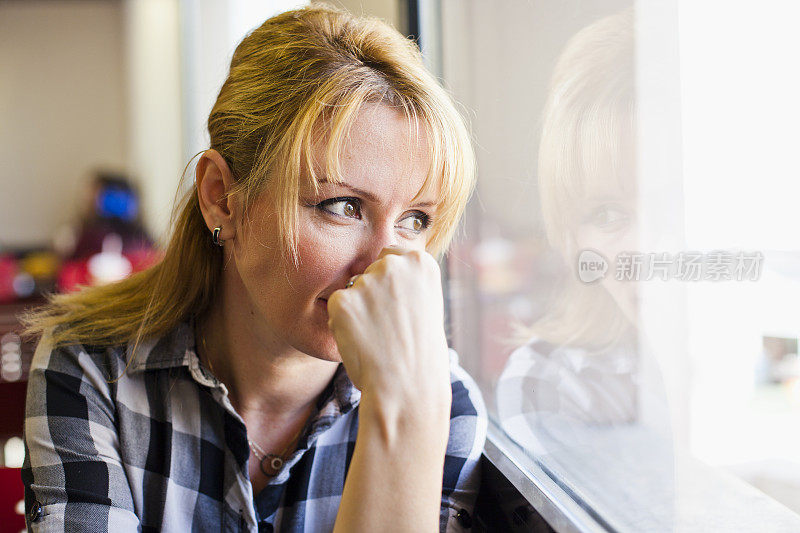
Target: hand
389	327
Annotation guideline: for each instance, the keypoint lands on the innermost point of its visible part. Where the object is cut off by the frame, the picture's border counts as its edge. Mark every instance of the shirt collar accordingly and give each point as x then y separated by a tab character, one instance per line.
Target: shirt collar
167	351
177	348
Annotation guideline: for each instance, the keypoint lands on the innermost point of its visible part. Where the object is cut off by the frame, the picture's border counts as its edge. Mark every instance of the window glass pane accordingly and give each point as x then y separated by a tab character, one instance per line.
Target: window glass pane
624	291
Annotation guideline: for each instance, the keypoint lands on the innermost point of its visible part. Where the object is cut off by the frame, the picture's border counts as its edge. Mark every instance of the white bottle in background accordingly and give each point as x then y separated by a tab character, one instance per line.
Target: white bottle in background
109	265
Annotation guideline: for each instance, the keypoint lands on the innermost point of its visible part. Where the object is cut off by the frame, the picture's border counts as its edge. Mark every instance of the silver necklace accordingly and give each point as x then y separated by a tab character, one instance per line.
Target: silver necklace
274	461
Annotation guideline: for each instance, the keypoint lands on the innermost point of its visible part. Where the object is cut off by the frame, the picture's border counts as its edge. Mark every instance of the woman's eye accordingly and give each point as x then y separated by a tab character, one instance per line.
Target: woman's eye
343	207
609	218
416	222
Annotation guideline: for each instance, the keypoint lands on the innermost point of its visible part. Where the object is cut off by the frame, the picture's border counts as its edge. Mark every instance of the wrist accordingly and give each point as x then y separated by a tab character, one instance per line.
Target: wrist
420	419
422	380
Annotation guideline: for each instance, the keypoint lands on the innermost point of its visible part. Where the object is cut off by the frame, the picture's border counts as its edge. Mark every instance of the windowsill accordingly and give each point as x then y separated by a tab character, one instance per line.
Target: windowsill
545	495
700	499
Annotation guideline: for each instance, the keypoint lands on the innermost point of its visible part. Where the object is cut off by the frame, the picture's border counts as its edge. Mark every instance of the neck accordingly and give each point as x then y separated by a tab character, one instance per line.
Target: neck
263	377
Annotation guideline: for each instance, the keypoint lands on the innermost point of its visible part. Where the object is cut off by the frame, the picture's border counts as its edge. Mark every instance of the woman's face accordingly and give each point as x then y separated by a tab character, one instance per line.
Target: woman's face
607	223
341	230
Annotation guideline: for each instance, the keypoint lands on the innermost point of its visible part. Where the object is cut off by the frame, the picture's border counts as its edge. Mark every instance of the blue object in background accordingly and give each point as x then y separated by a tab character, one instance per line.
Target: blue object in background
116	202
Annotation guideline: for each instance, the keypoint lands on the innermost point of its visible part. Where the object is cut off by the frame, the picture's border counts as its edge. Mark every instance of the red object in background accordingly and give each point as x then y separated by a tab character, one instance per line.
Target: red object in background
11	493
12	398
143	258
8	269
75	273
12	413
72	275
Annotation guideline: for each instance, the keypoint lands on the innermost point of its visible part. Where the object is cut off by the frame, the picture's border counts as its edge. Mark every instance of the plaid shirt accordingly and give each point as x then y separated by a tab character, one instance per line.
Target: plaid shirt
163	449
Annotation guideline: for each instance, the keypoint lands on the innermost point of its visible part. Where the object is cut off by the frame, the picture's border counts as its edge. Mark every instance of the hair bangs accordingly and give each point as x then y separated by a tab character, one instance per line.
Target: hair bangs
588	150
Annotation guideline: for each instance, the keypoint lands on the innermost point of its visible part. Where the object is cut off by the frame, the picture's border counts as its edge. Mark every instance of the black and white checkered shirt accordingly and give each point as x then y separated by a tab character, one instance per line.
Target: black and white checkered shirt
162	449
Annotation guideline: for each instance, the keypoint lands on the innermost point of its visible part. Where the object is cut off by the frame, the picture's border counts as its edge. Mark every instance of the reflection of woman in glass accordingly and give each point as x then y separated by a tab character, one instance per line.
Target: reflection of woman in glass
285	366
581	363
571	395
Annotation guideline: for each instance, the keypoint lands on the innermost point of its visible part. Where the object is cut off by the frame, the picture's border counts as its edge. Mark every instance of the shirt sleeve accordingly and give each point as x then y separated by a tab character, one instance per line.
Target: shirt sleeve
73	475
464	448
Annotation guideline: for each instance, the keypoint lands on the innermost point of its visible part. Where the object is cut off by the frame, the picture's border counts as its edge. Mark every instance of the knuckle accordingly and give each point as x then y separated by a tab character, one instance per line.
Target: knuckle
391	260
365	283
427	262
335	301
417	255
431	261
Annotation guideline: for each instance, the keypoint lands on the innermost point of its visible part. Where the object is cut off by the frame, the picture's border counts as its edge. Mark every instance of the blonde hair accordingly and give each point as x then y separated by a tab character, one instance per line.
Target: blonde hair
588	123
299	73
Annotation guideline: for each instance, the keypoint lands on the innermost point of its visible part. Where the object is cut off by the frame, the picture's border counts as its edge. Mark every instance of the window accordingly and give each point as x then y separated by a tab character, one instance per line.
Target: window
624	287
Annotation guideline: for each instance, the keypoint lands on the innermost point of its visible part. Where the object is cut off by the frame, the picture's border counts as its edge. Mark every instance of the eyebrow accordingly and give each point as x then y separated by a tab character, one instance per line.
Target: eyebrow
368	195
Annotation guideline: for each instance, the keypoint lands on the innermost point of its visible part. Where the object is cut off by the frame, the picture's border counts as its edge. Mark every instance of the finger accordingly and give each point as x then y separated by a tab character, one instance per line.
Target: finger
336	302
389	250
392	250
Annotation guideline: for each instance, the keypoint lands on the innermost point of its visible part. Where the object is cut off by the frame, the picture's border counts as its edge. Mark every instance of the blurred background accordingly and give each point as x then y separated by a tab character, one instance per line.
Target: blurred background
103	105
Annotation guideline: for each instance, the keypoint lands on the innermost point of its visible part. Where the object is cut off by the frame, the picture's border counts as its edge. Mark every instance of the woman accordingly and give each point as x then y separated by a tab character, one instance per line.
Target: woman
208	392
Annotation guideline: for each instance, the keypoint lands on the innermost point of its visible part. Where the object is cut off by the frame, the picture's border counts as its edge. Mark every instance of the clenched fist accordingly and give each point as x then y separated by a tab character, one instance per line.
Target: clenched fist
389	327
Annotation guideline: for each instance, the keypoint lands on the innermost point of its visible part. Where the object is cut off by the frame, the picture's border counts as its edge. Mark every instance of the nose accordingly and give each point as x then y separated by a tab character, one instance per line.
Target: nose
374	241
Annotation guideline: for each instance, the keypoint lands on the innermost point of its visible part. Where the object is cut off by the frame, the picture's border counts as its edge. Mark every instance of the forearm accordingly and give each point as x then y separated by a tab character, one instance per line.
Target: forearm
394	482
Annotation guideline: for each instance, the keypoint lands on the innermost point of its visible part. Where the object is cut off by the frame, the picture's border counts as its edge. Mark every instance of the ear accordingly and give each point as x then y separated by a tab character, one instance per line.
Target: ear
213	180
